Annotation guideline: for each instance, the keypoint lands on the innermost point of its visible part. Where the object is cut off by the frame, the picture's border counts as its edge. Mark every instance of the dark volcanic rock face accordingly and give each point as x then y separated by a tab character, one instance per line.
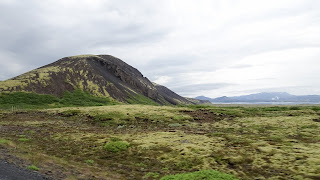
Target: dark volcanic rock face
101	75
171	96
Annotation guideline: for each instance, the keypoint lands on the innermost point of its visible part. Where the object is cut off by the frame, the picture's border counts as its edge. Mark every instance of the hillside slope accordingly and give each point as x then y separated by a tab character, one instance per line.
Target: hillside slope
101	75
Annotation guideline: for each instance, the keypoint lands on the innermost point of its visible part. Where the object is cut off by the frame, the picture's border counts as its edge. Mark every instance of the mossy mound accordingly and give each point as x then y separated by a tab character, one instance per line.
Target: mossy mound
200	175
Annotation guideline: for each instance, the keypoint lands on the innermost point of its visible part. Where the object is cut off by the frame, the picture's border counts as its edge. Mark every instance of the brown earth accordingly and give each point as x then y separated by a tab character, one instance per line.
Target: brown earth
204	115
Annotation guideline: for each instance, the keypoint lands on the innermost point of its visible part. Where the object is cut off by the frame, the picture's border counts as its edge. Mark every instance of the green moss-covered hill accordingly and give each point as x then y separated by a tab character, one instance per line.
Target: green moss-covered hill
100	75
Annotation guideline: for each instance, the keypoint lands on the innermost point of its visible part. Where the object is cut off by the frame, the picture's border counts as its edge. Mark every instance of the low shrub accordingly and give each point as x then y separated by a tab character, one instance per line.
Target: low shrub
116	146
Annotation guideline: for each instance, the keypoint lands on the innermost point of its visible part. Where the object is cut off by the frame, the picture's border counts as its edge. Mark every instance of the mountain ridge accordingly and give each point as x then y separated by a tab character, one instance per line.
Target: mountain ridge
101	75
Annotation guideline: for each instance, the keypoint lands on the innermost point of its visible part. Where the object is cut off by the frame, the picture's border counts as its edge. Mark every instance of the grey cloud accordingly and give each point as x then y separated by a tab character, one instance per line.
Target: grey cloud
168	65
34	33
126	38
30	35
175	65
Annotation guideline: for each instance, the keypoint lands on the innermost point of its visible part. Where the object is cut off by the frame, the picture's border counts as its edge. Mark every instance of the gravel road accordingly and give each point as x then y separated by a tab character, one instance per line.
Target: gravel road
11	172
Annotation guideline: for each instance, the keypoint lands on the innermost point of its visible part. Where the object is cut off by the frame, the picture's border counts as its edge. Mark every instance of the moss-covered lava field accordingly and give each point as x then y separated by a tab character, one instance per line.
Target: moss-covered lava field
154	142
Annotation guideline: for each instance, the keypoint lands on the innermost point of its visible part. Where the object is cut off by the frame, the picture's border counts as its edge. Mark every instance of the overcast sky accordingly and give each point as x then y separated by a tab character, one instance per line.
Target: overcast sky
194	47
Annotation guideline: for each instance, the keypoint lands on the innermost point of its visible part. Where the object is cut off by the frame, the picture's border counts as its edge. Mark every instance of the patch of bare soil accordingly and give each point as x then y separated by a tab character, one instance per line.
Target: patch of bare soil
206	116
316	120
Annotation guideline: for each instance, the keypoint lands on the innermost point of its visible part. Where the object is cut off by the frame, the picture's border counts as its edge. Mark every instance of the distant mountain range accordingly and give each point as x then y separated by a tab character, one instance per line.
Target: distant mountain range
264	97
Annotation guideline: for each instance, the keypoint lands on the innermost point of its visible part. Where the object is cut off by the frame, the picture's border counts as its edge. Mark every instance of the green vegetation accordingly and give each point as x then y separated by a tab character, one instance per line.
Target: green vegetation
151	175
188	163
127	114
89	161
33	167
316	108
255	111
22	100
200	175
116	146
26	99
4	141
110	116
69	113
157	142
80	98
24	139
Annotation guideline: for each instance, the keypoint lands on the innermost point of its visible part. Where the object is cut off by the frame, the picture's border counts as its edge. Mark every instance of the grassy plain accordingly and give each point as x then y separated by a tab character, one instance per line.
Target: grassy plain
163	142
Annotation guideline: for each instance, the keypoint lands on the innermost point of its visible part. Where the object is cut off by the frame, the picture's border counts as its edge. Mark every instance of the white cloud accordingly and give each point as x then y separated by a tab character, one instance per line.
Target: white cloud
163	80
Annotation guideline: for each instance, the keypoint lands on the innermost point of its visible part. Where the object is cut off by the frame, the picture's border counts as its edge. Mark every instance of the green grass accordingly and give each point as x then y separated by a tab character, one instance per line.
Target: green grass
26	100
127	114
24	139
81	98
151	175
200	175
316	108
4	141
33	167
